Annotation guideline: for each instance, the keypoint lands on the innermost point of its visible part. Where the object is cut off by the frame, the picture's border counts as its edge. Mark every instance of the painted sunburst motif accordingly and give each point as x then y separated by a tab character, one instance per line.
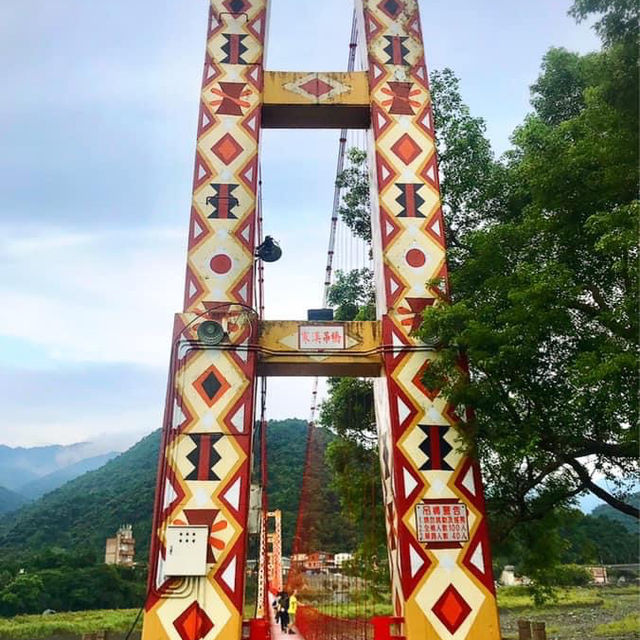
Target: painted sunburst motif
217	543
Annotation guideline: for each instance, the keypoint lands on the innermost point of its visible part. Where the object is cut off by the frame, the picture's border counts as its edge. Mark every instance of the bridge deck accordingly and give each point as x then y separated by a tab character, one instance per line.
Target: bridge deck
276	632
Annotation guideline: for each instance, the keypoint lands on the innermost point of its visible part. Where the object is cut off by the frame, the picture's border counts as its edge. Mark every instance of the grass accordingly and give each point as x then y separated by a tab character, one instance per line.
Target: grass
352	610
611	612
514	598
627	625
32	627
509	599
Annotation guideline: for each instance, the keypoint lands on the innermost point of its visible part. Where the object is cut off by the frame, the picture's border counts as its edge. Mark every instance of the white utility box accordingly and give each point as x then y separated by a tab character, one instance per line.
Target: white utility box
255	508
186	550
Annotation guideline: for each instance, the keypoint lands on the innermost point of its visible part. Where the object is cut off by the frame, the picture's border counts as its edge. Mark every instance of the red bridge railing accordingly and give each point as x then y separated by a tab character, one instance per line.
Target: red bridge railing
315	625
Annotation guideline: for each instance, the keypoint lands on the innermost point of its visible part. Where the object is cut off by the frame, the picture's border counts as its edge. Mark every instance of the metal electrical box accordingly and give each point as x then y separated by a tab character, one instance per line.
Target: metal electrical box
186	550
255	508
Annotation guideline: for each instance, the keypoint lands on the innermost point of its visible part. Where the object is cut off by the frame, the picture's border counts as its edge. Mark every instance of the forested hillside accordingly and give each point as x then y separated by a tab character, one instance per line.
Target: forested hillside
85	511
630	523
10	500
59	539
55	479
286	444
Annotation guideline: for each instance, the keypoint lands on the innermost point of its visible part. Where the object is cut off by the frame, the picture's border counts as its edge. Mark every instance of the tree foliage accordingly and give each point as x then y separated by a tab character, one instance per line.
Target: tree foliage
471	179
354	207
353	296
543	255
67	581
545	298
352	458
618	19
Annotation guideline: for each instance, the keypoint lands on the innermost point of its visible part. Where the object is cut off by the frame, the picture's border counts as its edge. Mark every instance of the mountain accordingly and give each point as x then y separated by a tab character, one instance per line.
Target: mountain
85	511
22	466
45	484
629	522
82	513
10	500
19	465
286	446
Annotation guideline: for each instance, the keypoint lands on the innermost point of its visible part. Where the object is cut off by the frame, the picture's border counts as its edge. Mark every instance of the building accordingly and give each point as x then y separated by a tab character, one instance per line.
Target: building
319	561
508	576
340	558
298	561
598	575
121	549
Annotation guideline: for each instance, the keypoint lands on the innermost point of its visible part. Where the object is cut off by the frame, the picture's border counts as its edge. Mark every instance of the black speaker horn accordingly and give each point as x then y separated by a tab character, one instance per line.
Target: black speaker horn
269	250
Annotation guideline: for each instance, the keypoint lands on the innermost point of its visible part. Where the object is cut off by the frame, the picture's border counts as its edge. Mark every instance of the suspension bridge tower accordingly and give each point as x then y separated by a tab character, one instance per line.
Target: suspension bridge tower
442	583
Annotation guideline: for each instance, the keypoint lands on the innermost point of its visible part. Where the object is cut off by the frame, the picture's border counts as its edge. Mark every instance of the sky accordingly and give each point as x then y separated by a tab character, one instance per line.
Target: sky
97	136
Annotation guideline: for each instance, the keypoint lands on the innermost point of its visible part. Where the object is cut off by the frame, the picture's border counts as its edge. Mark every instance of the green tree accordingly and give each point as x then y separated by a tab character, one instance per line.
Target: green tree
618	19
545	301
470	192
22	595
354	207
472	182
544	261
353	296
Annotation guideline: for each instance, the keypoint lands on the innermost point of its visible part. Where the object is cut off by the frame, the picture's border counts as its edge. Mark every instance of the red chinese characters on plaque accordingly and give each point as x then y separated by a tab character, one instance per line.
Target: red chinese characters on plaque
321	337
442	522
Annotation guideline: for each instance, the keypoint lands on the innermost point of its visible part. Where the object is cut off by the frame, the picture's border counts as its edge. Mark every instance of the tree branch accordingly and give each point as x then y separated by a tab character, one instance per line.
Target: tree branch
595	313
611	450
588	483
598	297
525	514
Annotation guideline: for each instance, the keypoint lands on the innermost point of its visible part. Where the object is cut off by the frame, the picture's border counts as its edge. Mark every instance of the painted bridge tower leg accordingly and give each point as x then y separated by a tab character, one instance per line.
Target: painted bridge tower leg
204	471
442	580
439	555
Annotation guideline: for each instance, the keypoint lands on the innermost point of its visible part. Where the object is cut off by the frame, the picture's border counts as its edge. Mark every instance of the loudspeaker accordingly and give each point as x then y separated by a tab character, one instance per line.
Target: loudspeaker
211	332
269	250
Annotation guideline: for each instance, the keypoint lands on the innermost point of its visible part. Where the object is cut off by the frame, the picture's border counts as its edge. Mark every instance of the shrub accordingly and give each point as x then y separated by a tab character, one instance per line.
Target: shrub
570	575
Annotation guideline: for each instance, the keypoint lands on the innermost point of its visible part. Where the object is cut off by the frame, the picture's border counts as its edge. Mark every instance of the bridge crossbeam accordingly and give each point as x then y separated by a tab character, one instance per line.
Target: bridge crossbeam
316	100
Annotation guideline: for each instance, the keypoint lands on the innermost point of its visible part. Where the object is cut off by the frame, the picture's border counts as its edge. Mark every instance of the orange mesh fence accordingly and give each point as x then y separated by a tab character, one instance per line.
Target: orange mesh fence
314	625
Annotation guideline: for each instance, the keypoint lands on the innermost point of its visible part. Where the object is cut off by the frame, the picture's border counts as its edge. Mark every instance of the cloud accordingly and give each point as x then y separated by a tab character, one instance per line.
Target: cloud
98	123
93	297
86	326
111	405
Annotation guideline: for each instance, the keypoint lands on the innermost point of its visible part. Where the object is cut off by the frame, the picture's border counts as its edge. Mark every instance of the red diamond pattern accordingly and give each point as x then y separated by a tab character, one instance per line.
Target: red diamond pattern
391	7
193	623
406	149
316	87
237	6
451	609
227	149
211	386
417	381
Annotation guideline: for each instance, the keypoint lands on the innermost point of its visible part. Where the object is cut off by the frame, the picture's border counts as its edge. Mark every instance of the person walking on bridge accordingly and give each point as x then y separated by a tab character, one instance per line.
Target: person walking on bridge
283	607
293	607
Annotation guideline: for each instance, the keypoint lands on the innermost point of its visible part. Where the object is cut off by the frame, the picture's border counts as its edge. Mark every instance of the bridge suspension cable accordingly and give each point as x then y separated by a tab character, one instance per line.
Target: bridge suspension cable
324	612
